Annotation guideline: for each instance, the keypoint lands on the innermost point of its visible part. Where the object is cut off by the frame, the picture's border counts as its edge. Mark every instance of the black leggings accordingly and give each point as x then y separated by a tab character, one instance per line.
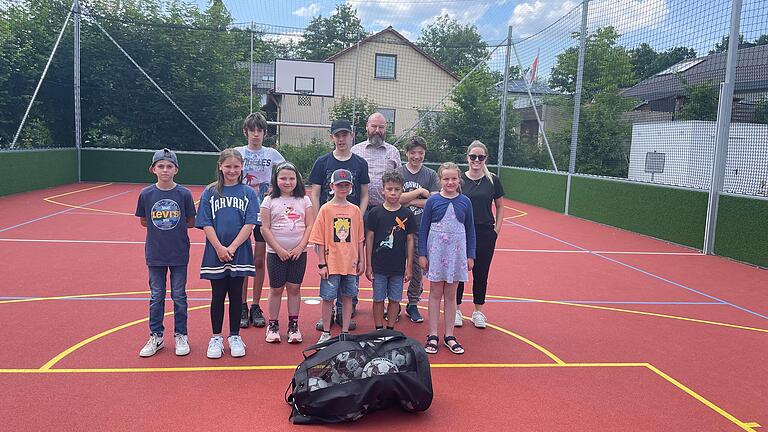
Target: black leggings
233	287
486	242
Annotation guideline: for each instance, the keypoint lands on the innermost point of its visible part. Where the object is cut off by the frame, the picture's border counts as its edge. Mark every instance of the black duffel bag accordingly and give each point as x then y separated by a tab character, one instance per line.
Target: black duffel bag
342	380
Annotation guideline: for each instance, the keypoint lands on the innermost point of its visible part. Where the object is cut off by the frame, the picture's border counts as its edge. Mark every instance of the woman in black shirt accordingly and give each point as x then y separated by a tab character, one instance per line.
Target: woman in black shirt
484	190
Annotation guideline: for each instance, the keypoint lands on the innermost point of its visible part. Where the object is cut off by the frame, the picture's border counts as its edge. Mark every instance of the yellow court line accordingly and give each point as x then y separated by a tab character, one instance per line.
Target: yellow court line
52	201
81	344
522	213
675	317
698	397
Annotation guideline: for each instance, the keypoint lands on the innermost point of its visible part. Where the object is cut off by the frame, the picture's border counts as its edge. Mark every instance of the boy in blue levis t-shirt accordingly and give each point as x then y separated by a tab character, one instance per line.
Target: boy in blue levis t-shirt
167	210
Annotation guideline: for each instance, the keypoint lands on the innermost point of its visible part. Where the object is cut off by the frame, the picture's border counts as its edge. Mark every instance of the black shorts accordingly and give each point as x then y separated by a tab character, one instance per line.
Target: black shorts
257	234
289	271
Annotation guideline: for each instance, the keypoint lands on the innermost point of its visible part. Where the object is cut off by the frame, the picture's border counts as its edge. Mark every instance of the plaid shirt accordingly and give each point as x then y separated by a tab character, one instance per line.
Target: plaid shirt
380	159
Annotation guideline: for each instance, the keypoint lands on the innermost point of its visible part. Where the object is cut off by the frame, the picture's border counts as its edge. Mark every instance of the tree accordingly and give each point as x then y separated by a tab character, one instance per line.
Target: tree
722	46
701	103
458	47
325	37
606	65
362	108
646	62
603	132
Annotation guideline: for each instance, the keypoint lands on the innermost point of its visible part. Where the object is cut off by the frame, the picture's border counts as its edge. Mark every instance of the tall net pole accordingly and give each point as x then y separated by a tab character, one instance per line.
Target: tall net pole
503	114
76	87
723	128
577	102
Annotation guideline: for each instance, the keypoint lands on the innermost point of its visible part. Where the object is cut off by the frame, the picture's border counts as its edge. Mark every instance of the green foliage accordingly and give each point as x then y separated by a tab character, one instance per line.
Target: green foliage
701	103
761	111
722	46
646	62
458	47
606	65
472	115
325	37
362	108
304	156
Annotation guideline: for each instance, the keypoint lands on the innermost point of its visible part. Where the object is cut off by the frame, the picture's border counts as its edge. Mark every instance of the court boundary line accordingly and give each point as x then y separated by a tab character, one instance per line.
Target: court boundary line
51	200
66	210
645	272
747	426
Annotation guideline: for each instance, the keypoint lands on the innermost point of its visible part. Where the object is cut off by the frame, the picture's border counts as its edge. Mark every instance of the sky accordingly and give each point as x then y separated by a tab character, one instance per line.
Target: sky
539	27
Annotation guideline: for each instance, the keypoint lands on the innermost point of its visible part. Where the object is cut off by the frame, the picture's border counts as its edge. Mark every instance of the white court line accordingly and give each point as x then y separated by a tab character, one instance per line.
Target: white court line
497	250
63	211
600	252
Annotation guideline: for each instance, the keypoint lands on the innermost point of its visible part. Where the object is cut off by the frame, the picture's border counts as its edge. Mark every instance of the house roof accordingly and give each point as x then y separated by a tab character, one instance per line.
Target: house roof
751	75
395	33
518	86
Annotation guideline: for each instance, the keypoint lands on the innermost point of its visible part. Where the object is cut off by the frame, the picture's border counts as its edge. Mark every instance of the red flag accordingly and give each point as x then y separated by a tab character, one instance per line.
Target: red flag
534	66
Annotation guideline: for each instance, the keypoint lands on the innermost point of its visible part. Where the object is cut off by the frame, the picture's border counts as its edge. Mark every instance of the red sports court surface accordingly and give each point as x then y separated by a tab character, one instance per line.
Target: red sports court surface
591	329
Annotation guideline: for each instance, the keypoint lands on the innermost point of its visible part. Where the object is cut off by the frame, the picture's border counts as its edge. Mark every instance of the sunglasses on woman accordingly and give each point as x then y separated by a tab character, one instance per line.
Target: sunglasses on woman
473	157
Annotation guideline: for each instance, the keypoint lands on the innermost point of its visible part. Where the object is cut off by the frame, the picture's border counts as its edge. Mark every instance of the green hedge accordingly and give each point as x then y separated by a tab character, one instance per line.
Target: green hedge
742	229
26	170
676	215
132	166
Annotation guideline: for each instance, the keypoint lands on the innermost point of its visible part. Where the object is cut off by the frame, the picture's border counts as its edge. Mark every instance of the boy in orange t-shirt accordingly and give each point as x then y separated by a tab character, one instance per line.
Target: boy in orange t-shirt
338	234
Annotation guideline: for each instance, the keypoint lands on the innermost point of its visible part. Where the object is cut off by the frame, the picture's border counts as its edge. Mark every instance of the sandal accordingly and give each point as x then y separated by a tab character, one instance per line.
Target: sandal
431	346
456	347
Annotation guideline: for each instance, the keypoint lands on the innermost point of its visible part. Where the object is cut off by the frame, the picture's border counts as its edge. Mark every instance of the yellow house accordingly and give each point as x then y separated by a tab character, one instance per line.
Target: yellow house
385	68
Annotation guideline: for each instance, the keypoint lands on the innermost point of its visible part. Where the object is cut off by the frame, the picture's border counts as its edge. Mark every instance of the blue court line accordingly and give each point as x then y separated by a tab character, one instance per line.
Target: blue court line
168	299
647	273
63	211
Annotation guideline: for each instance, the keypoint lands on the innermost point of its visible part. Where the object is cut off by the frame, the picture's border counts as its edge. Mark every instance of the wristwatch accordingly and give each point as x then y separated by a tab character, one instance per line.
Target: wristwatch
322	266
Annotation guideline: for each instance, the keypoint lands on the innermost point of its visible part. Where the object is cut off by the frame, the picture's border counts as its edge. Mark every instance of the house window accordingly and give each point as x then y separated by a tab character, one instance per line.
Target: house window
389	115
386	66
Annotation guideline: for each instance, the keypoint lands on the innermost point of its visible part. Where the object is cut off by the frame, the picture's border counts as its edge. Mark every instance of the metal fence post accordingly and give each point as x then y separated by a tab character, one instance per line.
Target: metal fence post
76	75
577	103
503	113
725	105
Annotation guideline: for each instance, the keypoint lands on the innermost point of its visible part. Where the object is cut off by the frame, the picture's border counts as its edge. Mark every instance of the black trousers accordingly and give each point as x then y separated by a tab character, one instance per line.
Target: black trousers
486	243
232	287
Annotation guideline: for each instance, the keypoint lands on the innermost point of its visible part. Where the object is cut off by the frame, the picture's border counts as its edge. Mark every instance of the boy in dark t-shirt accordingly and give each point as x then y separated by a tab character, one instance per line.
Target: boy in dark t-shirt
389	249
167	210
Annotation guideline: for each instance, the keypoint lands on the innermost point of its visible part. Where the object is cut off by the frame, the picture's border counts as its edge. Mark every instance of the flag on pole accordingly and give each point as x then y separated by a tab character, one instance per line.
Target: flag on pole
534	67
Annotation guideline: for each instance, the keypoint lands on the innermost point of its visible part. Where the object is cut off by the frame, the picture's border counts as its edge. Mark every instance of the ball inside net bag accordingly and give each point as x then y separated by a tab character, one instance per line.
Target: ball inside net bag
317	383
346	366
379	366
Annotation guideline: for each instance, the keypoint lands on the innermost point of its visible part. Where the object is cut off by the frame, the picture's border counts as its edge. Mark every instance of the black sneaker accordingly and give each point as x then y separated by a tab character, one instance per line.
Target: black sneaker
257	316
413	313
244	321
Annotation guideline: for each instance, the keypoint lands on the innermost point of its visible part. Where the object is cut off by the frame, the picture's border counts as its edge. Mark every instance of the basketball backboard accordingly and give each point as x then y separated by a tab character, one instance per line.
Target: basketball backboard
304	77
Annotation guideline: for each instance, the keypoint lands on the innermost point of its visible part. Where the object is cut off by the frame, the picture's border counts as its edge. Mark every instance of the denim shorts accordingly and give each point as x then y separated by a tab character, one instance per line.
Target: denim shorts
346	285
387	287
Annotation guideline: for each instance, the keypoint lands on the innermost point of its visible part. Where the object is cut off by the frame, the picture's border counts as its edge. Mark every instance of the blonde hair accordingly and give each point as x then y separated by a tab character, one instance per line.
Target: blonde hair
480	145
445	166
224	155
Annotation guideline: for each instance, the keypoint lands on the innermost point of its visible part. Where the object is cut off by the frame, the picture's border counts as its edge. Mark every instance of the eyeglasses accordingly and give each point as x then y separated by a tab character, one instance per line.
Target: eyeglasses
474	157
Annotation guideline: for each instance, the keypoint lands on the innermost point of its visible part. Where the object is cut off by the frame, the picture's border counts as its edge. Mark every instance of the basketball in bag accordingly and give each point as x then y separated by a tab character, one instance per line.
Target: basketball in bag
342	380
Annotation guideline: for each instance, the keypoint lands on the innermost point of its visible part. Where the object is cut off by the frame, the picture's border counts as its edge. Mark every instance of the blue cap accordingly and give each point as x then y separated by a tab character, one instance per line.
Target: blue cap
341	176
166	155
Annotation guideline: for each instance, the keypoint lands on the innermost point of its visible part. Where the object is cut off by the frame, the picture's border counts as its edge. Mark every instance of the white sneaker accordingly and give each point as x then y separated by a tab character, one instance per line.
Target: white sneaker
236	346
215	347
154	344
182	344
478	319
324	337
458	322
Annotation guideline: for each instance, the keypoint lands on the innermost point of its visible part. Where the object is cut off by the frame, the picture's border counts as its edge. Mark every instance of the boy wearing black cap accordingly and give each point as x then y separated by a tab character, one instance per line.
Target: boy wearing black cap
320	177
167	210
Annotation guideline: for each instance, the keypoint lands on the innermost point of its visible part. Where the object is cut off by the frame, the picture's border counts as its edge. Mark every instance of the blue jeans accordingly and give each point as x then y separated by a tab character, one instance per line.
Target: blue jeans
338	285
157	282
387	287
